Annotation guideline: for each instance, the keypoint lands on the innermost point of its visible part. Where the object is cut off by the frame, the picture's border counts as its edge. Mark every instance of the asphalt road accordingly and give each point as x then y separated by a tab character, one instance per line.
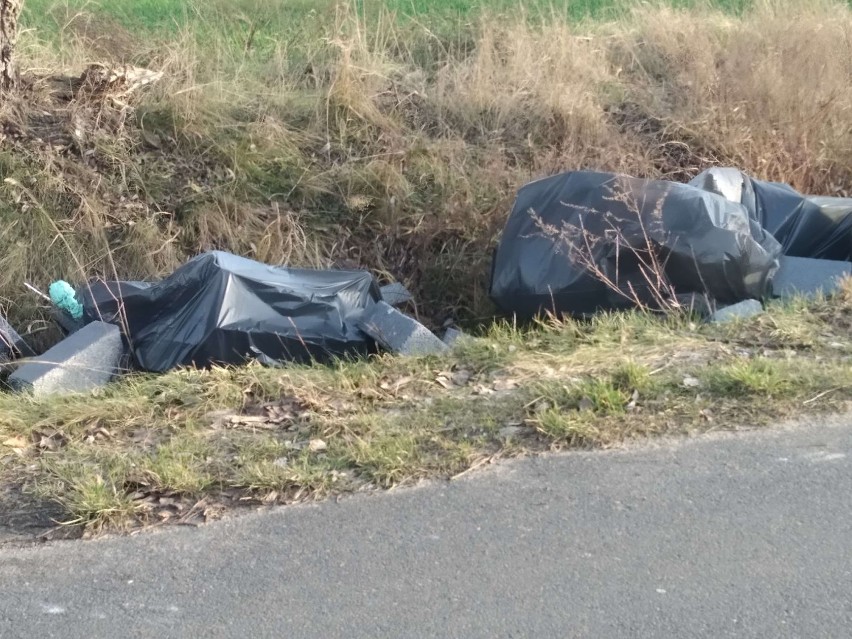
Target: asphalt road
748	535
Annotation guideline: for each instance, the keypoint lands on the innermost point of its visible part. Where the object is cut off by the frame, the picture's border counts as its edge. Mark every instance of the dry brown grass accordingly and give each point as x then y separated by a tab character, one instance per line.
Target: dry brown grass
769	92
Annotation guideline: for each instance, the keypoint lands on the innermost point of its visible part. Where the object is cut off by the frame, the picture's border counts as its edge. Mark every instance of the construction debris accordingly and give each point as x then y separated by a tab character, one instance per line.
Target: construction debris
583	242
740	311
221	308
396	294
86	360
451	336
576	243
808	277
399	333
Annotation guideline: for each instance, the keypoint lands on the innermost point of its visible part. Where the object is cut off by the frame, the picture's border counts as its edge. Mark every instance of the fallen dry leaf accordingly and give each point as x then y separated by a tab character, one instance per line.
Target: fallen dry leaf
691	382
96	434
634	399
16	442
505	384
394	386
48	439
481	389
254	421
317	445
445	382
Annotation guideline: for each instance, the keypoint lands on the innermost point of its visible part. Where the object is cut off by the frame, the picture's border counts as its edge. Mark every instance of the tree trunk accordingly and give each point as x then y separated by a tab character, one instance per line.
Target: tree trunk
9	12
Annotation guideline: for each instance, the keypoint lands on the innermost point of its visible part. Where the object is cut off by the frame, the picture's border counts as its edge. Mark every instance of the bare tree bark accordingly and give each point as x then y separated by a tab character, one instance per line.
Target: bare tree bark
10	10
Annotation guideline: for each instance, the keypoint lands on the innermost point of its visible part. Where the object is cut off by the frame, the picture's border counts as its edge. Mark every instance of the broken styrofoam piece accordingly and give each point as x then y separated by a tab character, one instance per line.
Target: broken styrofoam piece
399	333
86	360
396	294
742	310
808	277
451	336
12	345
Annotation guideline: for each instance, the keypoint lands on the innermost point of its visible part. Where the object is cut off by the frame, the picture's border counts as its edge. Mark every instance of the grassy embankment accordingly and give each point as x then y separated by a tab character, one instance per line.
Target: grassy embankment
316	135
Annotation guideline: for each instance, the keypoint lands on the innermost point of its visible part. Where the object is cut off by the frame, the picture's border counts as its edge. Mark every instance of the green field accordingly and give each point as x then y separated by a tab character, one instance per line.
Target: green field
266	24
166	14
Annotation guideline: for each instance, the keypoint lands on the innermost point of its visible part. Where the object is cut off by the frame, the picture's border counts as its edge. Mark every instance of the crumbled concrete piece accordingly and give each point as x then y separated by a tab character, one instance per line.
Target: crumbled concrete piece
396	294
743	310
451	336
808	277
12	345
86	360
399	333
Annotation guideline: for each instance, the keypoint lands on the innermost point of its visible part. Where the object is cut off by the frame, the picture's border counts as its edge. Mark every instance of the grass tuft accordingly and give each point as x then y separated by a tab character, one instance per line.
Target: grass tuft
89	496
760	376
572	429
631	376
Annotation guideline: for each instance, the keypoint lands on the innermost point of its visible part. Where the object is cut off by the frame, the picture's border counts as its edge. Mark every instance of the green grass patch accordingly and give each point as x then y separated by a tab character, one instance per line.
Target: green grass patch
165	15
91	490
762	377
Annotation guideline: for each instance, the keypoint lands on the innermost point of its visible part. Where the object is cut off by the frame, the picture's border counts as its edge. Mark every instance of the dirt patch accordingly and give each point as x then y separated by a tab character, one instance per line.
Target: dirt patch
26	520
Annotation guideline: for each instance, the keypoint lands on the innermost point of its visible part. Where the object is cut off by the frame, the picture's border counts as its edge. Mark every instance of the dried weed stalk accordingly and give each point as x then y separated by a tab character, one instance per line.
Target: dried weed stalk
585	244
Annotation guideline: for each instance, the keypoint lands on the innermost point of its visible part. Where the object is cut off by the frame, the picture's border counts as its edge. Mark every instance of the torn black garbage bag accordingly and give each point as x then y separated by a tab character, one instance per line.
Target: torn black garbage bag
219	308
12	345
564	228
817	227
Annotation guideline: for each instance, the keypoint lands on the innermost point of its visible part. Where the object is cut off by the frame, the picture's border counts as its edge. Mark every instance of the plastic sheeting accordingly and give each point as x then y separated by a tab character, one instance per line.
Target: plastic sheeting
816	227
708	244
225	309
12	345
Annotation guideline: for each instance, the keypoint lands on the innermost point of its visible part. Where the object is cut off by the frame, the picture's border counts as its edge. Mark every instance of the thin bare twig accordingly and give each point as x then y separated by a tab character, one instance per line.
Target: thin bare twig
821	395
581	243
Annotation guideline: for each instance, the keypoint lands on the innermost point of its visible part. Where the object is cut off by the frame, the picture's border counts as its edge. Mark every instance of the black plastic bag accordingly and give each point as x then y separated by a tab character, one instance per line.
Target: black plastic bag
564	228
12	345
816	227
219	308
